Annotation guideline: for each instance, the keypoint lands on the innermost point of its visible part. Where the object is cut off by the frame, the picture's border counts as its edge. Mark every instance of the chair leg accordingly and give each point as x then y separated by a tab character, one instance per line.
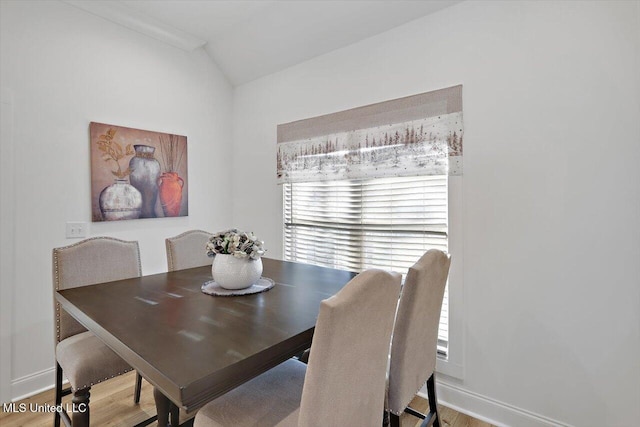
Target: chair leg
80	402
304	356
136	395
394	420
433	400
56	419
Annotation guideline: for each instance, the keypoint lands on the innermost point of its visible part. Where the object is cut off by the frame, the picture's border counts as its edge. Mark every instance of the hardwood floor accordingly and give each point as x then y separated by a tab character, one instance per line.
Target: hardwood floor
112	406
448	417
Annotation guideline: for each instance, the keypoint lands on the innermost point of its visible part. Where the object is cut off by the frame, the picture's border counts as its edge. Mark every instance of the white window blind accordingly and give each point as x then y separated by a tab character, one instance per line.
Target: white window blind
383	223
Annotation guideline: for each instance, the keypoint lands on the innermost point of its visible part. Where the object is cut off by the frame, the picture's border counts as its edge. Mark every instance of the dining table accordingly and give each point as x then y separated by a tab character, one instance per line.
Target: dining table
193	347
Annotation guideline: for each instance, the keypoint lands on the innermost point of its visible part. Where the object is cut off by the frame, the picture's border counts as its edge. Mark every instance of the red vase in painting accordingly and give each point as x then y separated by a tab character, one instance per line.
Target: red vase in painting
170	191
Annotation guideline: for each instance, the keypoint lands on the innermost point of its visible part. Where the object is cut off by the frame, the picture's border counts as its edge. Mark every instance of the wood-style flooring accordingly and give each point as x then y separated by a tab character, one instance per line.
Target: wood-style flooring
112	406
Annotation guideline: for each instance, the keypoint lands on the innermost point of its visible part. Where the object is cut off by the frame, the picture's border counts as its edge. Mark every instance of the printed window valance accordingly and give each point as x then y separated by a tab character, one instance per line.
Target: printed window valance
416	135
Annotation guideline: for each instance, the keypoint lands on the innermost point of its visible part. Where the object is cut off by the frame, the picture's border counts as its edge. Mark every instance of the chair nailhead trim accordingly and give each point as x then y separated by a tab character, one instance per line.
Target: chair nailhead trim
402	411
57	287
106	378
170	254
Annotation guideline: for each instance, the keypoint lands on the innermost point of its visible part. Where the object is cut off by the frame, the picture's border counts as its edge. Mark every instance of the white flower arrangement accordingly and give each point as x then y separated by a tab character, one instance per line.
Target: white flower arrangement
240	244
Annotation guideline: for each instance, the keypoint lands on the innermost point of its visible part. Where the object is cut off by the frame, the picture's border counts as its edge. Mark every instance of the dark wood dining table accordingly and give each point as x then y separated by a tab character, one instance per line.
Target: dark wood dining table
195	347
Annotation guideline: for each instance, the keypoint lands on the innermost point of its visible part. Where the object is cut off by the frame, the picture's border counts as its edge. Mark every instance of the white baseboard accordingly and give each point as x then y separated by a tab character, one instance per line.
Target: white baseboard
489	410
30	385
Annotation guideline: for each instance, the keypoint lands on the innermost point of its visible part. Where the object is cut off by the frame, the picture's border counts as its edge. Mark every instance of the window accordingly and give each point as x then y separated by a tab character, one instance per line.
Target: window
373	217
354	225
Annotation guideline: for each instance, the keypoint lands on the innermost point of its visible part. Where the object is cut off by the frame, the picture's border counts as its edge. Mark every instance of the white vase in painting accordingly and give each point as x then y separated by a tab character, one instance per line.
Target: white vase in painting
235	273
119	201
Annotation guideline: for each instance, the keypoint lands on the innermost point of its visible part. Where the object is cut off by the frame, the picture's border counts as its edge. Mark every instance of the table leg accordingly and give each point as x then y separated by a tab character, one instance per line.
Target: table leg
163	407
175	415
80	416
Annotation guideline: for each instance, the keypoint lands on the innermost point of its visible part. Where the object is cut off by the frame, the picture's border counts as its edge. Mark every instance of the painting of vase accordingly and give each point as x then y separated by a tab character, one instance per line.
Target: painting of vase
145	170
170	185
137	173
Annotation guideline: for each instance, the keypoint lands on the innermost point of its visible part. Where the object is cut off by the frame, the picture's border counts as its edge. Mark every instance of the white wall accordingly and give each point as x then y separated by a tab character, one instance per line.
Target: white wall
551	191
65	68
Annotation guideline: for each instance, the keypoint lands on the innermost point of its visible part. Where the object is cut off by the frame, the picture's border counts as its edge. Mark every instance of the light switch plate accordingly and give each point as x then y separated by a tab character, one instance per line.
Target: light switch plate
77	230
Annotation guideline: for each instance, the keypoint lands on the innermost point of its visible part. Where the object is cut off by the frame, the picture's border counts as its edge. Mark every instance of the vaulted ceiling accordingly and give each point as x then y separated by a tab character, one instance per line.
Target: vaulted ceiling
251	39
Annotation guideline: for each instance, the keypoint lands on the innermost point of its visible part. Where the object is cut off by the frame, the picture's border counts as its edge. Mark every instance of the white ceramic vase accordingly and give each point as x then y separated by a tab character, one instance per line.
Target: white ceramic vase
235	273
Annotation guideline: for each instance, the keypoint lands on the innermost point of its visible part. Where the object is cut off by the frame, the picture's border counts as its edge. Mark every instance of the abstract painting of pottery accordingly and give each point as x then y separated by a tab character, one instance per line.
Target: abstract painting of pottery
137	173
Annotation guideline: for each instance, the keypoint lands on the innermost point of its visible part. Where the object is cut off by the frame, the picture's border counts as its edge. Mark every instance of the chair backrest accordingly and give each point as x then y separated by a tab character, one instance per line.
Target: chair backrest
415	334
91	261
345	380
187	250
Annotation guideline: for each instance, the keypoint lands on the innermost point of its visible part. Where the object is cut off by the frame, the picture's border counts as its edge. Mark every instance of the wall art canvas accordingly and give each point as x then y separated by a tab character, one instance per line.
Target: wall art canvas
137	173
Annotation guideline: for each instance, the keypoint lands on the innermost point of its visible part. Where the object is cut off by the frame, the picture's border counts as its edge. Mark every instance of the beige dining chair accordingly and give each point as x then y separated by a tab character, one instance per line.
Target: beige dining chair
337	387
415	337
80	355
187	250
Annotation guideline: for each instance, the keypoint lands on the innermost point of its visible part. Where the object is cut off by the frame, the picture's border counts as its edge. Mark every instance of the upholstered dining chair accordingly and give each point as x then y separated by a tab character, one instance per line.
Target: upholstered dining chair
336	388
80	355
415	337
187	250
